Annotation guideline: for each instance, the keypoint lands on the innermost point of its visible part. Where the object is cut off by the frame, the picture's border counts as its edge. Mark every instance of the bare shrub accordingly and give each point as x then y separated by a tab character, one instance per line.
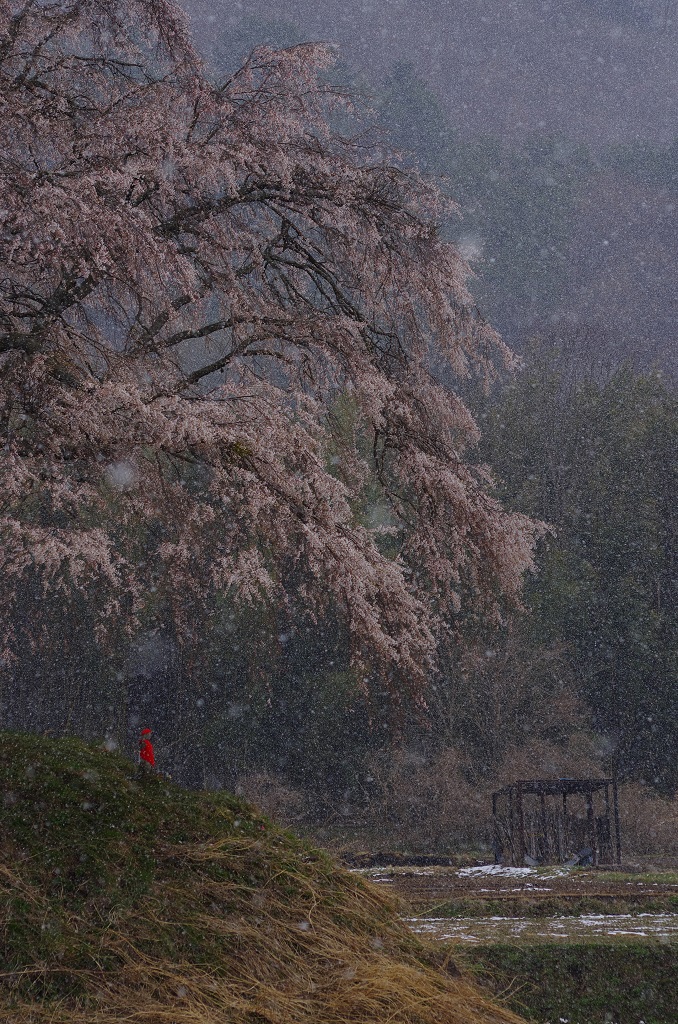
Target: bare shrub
427	803
272	795
649	822
578	757
502	694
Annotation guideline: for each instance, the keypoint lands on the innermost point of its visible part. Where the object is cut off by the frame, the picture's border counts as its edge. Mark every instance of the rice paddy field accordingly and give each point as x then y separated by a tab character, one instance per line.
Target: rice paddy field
559	945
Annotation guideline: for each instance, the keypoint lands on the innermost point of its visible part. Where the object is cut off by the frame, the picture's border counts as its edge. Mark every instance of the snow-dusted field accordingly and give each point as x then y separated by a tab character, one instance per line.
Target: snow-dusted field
660	927
389	874
623	907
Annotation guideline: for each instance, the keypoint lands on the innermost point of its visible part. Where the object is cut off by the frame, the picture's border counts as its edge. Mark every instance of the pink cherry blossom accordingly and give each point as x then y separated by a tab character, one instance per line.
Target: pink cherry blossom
192	275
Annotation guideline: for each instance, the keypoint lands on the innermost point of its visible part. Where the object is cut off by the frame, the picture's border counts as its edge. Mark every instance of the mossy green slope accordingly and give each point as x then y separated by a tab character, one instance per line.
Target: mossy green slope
130	899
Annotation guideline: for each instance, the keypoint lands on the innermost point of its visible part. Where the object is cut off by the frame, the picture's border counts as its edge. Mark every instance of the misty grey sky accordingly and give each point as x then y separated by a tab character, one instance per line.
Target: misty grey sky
601	70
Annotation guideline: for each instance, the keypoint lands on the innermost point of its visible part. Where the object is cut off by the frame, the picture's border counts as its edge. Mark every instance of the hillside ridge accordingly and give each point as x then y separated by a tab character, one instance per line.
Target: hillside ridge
128	898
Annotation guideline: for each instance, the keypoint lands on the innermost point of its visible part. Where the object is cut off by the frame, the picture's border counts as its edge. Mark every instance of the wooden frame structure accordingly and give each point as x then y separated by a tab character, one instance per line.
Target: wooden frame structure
534	825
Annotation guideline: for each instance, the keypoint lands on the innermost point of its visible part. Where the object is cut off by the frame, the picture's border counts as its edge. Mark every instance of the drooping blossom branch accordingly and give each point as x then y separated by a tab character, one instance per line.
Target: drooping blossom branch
191	273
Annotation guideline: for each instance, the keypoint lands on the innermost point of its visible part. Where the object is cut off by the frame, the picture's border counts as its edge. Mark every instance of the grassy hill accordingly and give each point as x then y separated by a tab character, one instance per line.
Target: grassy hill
131	899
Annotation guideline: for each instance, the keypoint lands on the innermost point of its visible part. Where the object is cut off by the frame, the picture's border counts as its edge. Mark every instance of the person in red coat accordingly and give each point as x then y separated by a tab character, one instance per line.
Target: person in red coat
146	754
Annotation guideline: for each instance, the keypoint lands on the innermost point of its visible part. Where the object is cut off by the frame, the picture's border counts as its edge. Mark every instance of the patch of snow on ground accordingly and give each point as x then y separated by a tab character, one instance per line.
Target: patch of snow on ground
495	869
374	874
527	888
379	877
397	869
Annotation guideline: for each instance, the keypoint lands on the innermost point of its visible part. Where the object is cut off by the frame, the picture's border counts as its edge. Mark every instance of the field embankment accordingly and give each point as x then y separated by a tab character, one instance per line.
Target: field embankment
584	982
129	898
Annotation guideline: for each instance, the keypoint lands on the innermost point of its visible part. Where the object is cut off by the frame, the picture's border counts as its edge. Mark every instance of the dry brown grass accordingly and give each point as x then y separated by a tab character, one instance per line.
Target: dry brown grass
332	952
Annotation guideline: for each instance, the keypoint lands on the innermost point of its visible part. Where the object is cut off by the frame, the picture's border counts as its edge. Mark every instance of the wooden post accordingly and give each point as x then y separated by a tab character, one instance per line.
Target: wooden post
618	837
545	831
522	849
607	818
566	838
495	826
512	832
559	826
592	824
